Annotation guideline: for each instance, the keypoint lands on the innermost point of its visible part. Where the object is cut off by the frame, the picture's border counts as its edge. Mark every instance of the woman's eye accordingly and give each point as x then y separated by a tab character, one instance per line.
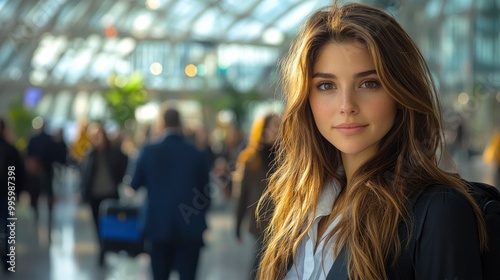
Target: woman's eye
370	84
325	86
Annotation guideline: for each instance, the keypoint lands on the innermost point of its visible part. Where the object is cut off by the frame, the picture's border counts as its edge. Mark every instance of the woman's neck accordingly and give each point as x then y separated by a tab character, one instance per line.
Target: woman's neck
351	164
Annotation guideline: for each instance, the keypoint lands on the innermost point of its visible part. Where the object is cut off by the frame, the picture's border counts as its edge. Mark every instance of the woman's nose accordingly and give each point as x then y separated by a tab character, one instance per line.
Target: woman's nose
347	102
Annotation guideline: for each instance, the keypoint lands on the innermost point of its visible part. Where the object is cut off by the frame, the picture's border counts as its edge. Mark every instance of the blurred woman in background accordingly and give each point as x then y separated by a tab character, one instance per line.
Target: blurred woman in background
102	172
254	165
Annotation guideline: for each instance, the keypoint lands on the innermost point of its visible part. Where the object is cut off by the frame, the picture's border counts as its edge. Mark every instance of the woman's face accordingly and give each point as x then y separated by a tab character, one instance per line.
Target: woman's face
351	108
97	136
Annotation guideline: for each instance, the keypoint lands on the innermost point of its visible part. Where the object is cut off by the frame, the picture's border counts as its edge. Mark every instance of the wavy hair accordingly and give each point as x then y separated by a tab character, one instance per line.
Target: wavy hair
377	198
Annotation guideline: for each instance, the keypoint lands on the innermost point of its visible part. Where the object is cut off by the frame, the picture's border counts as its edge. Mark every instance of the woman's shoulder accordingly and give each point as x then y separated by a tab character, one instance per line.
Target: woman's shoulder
440	205
441	192
442	197
439	189
446	233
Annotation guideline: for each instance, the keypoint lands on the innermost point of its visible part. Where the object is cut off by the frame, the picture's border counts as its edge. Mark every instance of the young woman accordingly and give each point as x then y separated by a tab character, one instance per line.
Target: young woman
360	135
102	172
254	166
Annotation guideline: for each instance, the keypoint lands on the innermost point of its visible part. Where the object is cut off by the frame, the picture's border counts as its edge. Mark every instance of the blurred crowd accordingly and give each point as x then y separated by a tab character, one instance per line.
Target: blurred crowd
107	160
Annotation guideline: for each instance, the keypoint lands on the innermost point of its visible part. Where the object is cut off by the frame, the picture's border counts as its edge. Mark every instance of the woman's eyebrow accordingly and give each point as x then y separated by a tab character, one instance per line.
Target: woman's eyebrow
323	75
365	73
332	76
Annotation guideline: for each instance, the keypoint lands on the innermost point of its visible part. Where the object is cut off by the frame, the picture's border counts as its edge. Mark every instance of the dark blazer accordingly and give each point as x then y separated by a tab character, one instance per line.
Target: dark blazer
42	147
447	246
117	165
175	174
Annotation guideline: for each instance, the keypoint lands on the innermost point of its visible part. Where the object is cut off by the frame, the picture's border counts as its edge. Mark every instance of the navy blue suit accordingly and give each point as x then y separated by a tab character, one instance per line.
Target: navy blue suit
175	174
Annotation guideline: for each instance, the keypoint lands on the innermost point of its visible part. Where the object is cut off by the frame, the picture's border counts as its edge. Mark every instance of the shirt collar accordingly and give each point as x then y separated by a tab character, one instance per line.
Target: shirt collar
328	195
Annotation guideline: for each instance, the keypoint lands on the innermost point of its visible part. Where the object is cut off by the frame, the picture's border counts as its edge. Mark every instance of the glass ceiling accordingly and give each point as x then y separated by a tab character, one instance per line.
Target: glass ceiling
63	44
186	47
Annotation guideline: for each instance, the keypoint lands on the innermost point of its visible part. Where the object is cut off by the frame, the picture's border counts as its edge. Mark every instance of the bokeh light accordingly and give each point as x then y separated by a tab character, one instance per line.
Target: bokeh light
156	68
190	70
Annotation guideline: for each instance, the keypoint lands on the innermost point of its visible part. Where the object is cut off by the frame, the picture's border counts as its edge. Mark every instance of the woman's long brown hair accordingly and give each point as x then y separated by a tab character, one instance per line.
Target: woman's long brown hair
376	200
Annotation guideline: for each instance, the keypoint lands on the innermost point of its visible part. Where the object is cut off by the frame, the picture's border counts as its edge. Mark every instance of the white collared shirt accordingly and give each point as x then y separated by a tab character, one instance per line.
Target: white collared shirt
312	265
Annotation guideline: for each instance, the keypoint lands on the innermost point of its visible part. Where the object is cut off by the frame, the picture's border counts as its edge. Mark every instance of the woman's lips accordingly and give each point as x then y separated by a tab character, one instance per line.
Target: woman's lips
350	129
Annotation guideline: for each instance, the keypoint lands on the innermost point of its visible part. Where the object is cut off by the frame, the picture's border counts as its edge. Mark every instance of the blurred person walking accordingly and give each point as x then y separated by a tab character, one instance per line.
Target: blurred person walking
225	162
203	143
40	172
12	176
175	174
103	169
61	152
254	166
60	161
82	144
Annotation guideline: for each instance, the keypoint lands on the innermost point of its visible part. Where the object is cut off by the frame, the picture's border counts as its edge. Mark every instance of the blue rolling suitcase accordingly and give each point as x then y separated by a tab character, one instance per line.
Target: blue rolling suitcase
119	228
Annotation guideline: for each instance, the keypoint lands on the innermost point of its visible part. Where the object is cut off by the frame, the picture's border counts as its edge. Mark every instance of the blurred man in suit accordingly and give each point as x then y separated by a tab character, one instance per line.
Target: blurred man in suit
175	174
40	157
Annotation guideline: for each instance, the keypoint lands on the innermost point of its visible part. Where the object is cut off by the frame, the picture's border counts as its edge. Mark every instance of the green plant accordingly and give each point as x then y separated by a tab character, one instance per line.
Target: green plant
20	117
124	96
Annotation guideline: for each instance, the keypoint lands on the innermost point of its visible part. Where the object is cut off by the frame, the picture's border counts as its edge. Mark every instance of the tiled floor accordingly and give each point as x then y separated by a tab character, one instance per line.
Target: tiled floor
72	253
